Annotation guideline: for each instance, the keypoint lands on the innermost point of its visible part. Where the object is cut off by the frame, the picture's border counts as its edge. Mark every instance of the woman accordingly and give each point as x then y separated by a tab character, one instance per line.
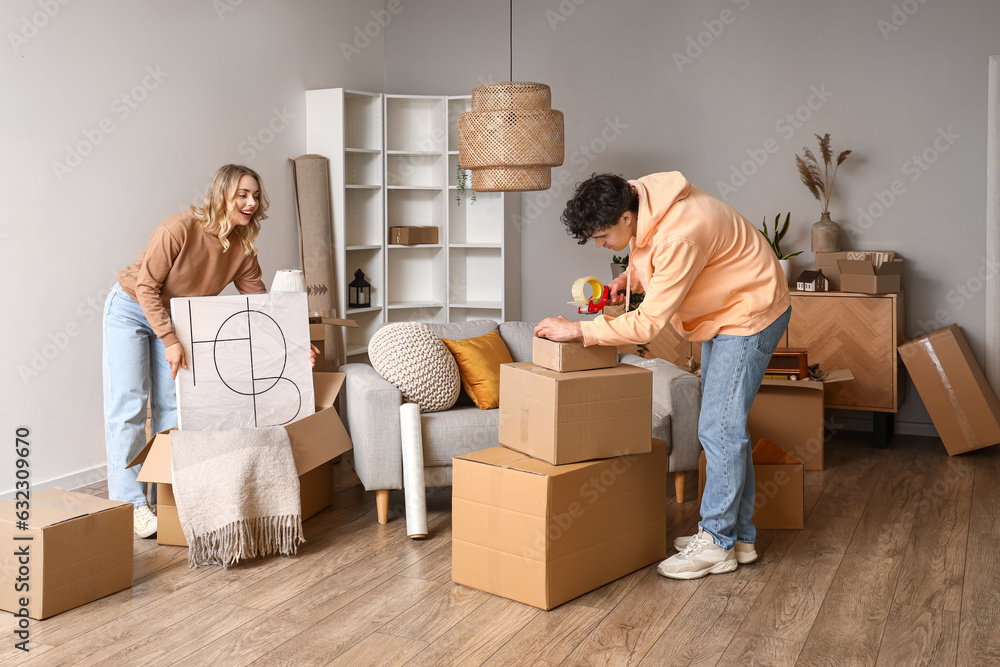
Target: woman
195	253
708	272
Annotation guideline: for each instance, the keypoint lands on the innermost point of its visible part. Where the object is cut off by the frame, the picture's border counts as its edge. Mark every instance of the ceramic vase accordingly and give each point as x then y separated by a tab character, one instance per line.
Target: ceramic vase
825	235
786	266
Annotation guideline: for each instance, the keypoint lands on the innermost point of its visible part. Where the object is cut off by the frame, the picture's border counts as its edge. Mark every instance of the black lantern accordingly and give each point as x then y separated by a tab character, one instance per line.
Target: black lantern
359	291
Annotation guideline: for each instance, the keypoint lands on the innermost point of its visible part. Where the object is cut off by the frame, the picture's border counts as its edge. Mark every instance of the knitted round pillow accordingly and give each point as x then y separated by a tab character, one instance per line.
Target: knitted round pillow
412	357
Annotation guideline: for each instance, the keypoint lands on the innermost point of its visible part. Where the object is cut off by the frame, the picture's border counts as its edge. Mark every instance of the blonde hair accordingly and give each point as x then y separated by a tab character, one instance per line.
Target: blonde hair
214	214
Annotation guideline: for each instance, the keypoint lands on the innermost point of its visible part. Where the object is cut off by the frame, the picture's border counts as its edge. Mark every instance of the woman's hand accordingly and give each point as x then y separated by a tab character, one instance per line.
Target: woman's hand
619	283
176	359
559	329
312	355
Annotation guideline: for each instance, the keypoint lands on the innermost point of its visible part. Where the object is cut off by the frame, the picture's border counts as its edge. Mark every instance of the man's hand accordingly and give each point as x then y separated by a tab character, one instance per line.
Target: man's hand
176	359
619	283
559	329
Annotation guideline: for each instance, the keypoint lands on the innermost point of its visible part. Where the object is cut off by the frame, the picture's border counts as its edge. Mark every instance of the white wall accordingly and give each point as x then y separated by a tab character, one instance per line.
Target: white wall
227	70
631	109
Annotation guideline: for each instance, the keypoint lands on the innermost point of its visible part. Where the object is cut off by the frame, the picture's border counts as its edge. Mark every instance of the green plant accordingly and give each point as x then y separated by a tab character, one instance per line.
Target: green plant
820	183
623	260
462	178
779	234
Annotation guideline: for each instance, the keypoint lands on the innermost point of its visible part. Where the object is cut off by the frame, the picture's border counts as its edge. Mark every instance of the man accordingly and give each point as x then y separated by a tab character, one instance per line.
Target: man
710	274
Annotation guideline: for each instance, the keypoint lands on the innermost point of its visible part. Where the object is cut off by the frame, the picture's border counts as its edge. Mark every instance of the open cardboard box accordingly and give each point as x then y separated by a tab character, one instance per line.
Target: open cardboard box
316	440
325	334
860	275
779	498
79	549
789	413
542	534
954	389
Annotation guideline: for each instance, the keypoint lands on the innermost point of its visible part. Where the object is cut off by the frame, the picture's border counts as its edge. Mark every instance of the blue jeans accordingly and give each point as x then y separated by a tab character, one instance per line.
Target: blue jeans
732	368
135	369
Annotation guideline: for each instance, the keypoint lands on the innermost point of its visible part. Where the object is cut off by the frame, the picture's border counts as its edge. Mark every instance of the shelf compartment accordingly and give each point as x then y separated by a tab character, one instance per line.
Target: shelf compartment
414	170
416	275
476	223
469	314
357	337
456	107
363	217
363	121
481	305
363	168
476	275
415	123
416	207
369	261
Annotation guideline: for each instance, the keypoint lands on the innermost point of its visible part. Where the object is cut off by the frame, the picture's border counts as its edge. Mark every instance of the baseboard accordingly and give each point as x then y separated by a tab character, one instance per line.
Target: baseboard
69	482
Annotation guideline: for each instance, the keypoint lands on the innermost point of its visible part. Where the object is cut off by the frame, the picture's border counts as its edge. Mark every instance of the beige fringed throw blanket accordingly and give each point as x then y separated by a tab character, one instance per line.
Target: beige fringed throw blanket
237	494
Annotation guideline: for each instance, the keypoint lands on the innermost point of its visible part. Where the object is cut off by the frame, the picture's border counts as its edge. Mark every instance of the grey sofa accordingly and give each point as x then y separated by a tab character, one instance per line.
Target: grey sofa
372	409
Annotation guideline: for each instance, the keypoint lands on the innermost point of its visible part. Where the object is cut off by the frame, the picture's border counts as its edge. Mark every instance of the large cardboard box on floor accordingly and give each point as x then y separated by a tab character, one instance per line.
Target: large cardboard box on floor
954	389
77	548
543	534
780	485
574	356
789	413
569	417
316	440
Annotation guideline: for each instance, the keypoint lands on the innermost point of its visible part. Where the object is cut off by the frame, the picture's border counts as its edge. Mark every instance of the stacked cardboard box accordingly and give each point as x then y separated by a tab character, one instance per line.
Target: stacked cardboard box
576	495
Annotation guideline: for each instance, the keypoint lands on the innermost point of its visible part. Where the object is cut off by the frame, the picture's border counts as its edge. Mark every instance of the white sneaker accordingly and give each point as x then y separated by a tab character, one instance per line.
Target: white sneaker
701	557
745	552
144	521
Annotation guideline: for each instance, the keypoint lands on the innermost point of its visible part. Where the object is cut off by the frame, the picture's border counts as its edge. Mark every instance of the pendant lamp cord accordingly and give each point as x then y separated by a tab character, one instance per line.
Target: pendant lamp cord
511	40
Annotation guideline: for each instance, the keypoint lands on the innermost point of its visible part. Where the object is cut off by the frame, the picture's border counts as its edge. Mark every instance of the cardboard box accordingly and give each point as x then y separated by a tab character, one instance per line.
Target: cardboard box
860	275
827	263
323	329
954	389
790	414
412	235
543	535
567	357
316	440
569	417
779	483
79	549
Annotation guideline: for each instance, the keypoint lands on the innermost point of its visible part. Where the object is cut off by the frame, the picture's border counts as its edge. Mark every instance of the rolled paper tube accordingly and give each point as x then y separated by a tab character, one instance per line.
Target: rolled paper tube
413	471
581	299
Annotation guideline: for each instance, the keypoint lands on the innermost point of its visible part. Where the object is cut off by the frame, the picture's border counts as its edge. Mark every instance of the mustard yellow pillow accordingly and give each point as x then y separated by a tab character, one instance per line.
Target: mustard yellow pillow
479	362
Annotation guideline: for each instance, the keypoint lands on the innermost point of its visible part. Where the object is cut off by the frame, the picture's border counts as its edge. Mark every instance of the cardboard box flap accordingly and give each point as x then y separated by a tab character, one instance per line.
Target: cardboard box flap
327	387
54	506
833	376
843	375
336	321
766	452
864	267
494	456
317	439
503	457
155	460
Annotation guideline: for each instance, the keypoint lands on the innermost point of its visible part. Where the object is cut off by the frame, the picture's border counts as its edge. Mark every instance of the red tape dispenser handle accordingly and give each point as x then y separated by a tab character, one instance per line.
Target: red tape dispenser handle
592	304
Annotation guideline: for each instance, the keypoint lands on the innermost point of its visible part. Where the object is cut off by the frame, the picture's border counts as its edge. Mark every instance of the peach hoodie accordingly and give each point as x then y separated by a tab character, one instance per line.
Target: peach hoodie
704	268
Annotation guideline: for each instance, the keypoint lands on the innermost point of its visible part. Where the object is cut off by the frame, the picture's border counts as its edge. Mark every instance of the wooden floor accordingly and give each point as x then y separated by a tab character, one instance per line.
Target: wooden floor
899	564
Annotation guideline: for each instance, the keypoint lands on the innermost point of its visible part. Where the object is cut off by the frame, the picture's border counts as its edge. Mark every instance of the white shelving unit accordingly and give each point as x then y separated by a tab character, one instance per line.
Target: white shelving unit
393	162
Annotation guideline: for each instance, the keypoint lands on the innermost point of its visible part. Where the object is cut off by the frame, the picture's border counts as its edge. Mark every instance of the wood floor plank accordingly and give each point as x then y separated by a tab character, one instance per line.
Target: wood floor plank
791	600
747	649
979	633
377	650
437	613
335	634
628	632
847	493
435	567
608	596
912	453
986	494
702	631
884	529
548	638
951	477
168	647
771	547
11	655
850	623
481	634
934	564
919	636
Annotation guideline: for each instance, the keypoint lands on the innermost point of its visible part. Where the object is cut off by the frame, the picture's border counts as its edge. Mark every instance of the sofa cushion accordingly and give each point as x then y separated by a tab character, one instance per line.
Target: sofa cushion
413	358
463	330
517	336
461	430
479	361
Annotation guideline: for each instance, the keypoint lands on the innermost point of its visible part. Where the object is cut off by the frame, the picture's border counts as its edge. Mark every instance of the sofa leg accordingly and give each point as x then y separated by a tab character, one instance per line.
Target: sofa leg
679	478
382	505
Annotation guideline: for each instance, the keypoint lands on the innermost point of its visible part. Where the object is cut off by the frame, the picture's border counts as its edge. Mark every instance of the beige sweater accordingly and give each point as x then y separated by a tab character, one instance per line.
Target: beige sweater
183	260
704	268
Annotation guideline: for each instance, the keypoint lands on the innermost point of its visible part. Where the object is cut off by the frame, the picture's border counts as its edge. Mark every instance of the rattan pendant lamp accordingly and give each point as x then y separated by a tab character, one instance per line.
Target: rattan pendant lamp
512	137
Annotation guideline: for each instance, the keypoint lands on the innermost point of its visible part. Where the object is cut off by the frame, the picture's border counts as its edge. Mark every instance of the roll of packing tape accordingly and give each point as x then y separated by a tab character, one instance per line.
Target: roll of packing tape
581	299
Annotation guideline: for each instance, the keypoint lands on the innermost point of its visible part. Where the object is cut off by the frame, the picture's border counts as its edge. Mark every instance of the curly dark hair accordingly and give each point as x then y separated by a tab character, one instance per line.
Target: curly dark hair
599	202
